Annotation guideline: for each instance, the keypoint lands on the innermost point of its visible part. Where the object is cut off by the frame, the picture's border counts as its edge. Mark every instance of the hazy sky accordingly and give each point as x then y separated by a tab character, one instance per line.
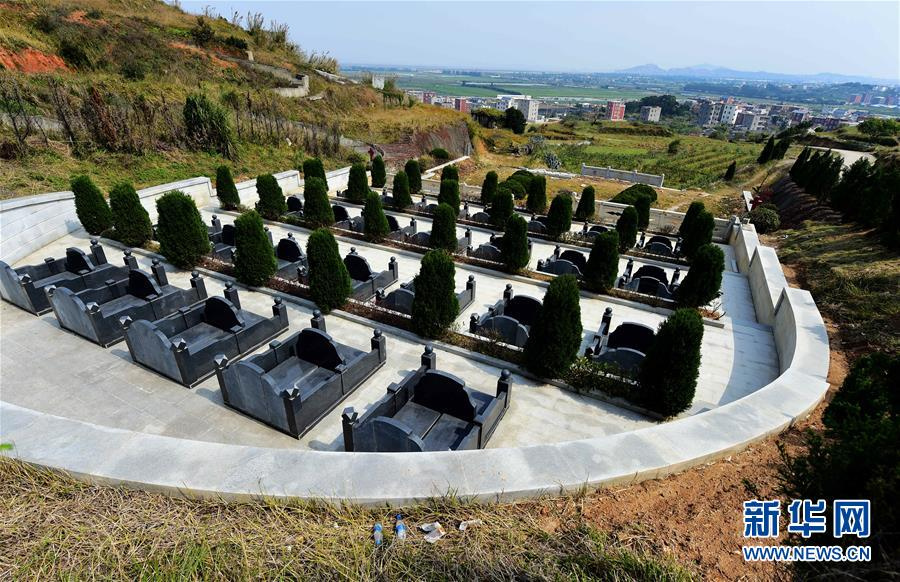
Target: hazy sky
859	38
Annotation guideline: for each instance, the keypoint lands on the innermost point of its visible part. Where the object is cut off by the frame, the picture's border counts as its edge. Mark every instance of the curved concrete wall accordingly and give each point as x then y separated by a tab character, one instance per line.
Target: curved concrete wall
744	240
767	281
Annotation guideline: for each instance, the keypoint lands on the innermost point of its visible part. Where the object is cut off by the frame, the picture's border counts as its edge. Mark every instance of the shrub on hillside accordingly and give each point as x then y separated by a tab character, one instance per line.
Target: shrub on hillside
729	172
414	173
514	244
226	191
435	304
699	234
630	194
515	120
329	281
765	219
690	216
668	375
603	263
206	125
537	194
627	227
317	209
375	222
555	336
449	194
313	168
271	204
357	184
559	218
400	191
443	229
642	207
183	237
489	188
379	174
586	204
502	208
440	154
90	206
704	279
254	257
130	218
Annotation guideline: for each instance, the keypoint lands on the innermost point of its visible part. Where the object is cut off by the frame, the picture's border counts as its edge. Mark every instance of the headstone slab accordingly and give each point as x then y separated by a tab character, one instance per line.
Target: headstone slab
652	271
633	336
575	258
393	225
77	261
141	284
523	309
340	213
316	346
444	393
221	313
289	250
358	267
228	235
294	204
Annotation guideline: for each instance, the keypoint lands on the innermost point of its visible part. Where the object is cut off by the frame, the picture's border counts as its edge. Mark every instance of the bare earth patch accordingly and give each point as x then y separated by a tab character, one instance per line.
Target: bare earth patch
31	61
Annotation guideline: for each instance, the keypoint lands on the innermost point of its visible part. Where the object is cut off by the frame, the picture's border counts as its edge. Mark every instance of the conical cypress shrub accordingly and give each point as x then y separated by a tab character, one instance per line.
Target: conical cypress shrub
626	226
400	192
90	206
254	257
704	279
514	244
317	209
379	174
690	216
414	173
642	207
450	173
443	229
358	184
603	263
489	188
313	168
586	204
226	191
559	218
183	237
729	173
271	203
766	154
555	336
329	281
502	207
668	375
375	222
699	234
130	218
435	304
449	194
537	194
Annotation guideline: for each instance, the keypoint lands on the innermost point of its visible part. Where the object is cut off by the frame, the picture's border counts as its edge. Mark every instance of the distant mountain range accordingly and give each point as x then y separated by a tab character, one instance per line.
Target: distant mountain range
714	72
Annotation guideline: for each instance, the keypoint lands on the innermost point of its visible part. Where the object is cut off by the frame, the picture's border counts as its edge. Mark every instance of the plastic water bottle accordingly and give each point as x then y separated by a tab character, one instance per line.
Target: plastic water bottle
377	535
400	529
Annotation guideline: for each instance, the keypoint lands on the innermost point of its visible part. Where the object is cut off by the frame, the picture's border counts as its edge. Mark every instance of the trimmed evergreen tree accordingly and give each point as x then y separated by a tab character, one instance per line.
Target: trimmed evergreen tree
414	173
443	228
271	203
254	257
699	234
379	173
704	279
130	218
375	222
502	207
603	262
317	209
435	305
555	336
357	184
226	191
449	194
514	244
642	207
668	375
586	204
329	281
690	216
183	237
489	188
313	168
450	172
559	218
766	154
800	162
781	148
400	191
90	206
537	194
627	227
729	173
630	194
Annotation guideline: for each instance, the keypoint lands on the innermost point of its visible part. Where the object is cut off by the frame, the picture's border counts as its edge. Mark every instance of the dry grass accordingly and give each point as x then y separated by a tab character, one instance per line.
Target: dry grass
52	527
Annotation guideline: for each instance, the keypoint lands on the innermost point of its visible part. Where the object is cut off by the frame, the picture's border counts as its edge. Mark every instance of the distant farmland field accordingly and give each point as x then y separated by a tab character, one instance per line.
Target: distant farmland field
453	86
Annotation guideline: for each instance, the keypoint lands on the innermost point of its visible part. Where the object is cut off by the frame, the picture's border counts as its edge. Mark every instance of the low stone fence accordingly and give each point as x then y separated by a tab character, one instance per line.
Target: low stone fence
664	221
624	175
289	181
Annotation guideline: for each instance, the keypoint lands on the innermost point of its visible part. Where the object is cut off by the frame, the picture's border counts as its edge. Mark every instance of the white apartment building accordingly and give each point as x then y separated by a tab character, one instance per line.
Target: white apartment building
729	113
650	113
528	107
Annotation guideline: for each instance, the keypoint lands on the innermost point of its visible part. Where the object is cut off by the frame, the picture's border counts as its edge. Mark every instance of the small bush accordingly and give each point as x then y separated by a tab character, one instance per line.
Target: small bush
206	125
765	220
514	244
313	168
704	279
317	209
668	375
358	184
450	172
642	206
329	281
449	194
401	197
202	33
586	204
90	206
440	154
414	173
379	174
514	187
132	223
690	216
271	204
630	194
627	228
226	191
443	229
537	194
674	145
435	304
375	222
489	188
502	208
699	234
603	263
555	336
183	238
559	218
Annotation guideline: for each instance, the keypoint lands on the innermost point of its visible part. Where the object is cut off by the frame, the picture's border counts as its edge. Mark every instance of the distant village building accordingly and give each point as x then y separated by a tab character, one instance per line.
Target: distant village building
650	113
524	103
461	104
428	97
710	113
378	81
729	113
615	110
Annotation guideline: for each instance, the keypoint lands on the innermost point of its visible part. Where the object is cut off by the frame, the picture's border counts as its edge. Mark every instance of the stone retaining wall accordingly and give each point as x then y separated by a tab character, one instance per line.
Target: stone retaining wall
624	175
